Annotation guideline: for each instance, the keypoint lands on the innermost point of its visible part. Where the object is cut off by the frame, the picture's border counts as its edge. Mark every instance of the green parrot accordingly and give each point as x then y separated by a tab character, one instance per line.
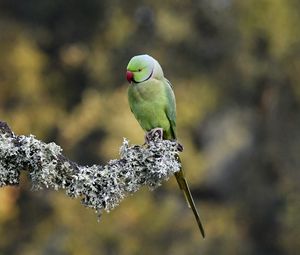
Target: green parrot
152	101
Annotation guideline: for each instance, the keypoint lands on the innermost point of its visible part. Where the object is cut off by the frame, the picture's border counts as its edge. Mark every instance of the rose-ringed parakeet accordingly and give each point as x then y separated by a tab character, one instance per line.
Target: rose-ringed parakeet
152	102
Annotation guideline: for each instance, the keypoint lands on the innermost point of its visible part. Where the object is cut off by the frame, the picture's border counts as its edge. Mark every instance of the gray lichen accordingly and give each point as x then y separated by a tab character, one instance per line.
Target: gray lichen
99	187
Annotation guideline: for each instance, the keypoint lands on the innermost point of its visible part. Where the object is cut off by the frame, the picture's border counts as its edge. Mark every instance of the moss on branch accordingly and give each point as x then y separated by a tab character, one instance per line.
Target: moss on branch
99	186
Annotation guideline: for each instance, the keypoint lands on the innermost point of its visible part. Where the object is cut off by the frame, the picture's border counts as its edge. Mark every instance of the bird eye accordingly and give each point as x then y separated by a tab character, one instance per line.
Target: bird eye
139	70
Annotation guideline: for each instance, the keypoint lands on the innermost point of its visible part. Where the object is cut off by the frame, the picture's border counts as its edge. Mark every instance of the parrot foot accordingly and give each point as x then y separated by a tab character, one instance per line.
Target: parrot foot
158	133
153	134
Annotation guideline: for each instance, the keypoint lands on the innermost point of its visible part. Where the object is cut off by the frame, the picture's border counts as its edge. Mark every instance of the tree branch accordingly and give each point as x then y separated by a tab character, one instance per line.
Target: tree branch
100	187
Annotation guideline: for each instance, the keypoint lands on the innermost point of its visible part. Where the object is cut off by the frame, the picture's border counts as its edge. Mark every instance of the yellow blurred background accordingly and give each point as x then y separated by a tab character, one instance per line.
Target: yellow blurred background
235	70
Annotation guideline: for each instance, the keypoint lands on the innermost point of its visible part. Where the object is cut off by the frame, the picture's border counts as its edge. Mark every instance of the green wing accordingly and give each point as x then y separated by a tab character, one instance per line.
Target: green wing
170	110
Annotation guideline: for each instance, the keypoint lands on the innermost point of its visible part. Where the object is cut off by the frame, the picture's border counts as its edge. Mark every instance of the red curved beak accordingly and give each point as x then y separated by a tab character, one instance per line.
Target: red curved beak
129	76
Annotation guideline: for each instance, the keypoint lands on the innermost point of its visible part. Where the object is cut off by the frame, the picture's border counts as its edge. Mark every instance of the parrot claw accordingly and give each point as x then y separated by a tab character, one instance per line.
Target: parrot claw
155	133
180	147
158	133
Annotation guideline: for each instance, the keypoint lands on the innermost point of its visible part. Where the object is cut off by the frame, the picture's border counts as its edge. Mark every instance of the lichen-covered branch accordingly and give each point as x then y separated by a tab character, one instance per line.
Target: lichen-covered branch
100	187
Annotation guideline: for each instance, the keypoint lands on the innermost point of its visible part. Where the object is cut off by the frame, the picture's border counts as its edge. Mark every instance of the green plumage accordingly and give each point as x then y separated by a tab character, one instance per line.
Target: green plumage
152	102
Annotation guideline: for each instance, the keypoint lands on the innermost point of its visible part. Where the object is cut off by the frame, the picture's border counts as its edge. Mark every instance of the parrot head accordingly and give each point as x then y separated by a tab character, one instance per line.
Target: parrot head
143	67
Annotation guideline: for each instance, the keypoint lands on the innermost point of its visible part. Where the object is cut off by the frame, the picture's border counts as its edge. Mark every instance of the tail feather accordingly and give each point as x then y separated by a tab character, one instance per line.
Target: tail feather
188	196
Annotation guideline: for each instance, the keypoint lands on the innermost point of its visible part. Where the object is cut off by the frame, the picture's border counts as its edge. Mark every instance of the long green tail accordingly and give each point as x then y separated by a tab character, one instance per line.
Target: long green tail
183	185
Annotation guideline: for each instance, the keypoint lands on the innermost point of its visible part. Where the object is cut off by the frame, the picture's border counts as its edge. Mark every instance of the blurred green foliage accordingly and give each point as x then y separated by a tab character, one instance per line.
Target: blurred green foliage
235	68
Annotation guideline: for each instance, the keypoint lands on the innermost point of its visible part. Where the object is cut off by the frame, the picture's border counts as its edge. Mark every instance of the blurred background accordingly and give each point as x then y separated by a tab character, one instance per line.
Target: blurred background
235	67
